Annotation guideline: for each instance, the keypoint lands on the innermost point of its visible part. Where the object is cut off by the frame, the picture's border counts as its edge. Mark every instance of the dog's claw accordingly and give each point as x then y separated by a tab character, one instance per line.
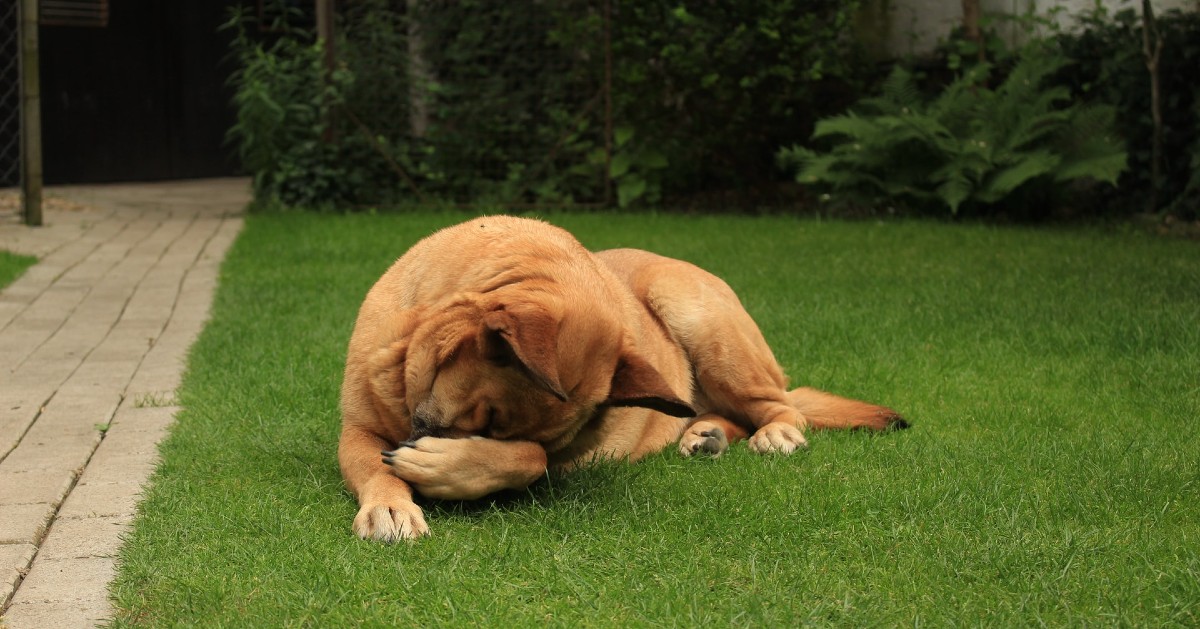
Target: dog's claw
407	444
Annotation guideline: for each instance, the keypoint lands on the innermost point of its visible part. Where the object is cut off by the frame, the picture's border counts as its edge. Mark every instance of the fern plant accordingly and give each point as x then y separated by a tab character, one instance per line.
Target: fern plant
969	145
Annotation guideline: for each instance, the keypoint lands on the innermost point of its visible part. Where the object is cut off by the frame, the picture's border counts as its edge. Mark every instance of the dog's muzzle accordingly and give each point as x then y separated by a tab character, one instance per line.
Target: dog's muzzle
424	424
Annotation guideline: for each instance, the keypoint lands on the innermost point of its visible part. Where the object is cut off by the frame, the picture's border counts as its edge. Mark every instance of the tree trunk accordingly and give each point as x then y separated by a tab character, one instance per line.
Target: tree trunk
1152	45
972	14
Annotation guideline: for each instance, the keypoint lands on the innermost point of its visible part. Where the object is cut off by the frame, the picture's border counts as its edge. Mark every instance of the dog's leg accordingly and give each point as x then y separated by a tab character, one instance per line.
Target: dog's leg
386	509
737	374
465	469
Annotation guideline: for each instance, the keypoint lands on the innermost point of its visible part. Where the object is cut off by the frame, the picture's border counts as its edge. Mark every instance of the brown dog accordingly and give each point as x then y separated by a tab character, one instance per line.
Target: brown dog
500	346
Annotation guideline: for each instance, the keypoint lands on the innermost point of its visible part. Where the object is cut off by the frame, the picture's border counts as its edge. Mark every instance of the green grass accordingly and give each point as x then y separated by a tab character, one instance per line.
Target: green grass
1052	475
12	266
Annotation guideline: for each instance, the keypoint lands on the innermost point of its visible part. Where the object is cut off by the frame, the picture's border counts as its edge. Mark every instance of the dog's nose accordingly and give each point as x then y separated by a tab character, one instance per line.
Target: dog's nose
423	426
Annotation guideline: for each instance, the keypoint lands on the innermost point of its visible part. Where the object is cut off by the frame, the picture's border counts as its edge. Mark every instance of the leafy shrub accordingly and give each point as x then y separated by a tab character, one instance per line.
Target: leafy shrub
971	146
1108	66
707	91
284	109
702	95
1187	202
515	100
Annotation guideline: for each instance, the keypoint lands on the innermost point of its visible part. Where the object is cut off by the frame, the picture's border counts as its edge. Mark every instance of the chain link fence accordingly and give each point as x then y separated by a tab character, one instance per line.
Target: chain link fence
10	94
475	100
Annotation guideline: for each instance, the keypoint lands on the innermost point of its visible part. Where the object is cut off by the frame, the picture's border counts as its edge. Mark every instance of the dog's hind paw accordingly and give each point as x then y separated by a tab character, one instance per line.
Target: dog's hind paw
703	438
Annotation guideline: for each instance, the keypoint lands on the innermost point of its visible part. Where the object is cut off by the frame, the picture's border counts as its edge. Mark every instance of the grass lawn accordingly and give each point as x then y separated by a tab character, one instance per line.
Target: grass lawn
1052	474
12	265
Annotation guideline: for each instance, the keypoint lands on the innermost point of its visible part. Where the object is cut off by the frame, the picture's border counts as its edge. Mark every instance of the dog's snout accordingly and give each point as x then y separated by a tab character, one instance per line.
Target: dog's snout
424	425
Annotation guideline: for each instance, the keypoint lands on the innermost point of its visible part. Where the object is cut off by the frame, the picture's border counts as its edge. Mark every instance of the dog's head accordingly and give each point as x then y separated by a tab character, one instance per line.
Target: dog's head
522	370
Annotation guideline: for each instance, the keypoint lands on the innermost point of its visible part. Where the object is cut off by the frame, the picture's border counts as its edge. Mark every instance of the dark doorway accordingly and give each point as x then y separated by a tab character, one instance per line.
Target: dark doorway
138	96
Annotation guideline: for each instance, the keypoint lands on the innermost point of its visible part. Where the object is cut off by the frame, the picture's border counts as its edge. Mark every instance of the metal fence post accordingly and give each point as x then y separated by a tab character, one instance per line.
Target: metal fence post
31	117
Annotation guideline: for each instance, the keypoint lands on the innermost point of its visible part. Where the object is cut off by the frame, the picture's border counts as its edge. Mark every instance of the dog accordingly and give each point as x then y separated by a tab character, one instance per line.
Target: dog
498	348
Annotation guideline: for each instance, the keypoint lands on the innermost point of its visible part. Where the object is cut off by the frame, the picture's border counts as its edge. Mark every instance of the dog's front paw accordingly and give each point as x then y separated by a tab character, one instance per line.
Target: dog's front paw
777	437
466	469
388	523
703	438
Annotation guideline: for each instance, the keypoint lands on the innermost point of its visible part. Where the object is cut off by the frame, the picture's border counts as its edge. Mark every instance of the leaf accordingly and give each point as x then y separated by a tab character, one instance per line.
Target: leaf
900	91
849	125
1101	167
630	189
793	157
1030	165
956	189
652	159
815	168
622	135
596	156
619	165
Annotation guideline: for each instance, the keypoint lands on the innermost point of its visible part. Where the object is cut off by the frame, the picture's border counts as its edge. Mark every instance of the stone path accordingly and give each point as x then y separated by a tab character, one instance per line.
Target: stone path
92	343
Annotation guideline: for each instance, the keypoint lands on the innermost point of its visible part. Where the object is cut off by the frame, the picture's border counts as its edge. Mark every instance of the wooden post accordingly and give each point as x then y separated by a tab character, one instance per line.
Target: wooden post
325	33
1152	47
420	76
31	117
972	13
608	105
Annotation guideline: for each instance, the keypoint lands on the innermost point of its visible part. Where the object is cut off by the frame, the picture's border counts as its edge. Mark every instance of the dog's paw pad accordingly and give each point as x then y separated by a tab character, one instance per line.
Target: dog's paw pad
703	440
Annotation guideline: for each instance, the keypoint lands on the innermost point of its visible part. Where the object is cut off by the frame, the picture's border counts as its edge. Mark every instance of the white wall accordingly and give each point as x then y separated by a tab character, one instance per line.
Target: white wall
901	27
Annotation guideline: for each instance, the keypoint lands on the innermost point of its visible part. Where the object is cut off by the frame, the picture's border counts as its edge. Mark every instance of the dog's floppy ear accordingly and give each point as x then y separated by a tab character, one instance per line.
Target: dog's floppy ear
637	383
531	338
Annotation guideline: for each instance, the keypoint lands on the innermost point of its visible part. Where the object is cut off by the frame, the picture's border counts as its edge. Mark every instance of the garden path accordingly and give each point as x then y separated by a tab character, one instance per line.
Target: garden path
92	345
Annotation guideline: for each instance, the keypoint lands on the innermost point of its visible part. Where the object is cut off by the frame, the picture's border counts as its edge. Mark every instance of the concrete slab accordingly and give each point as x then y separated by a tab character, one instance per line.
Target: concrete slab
44	583
56	615
14	565
25	524
22	487
81	538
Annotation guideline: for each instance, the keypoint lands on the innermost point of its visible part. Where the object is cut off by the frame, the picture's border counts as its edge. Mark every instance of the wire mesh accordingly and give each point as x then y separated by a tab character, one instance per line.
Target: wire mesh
10	95
479	99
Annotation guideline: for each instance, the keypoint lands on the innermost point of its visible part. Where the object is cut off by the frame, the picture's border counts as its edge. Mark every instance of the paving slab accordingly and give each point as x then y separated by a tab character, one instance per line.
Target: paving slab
25	524
93	340
14	565
63	593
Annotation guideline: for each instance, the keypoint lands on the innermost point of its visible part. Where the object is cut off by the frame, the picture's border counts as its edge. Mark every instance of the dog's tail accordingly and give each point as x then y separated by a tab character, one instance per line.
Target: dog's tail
828	411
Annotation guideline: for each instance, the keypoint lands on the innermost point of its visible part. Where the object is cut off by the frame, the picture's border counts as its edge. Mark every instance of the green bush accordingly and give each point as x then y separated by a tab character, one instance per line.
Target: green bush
516	111
284	110
705	92
989	150
1108	66
702	95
